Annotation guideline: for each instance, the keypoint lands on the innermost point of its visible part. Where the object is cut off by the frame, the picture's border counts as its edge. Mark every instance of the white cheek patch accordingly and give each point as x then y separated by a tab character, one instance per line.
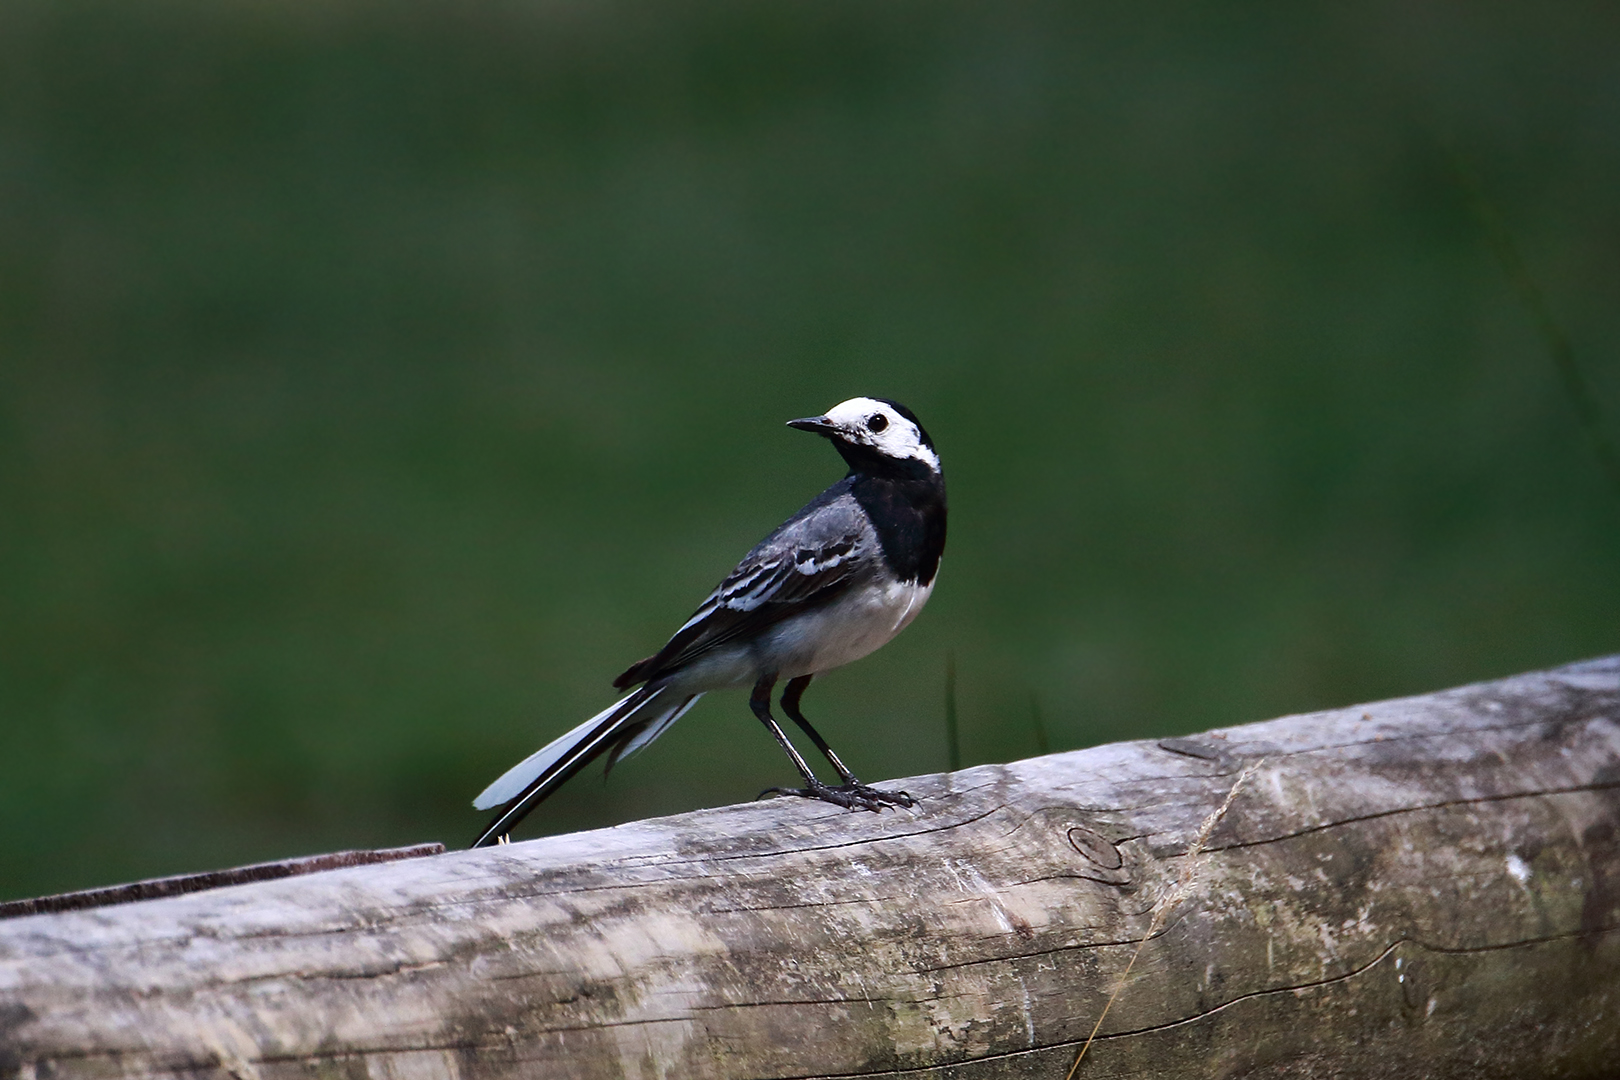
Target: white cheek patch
900	439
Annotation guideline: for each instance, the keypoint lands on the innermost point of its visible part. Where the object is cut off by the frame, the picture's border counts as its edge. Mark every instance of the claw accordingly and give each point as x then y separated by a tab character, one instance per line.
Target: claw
849	796
895	798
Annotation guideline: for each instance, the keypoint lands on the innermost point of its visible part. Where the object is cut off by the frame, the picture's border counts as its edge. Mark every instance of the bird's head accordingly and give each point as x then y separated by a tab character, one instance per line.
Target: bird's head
874	431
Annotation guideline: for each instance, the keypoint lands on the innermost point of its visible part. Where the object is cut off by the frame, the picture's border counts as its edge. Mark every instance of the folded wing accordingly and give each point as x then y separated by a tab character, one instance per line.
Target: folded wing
806	562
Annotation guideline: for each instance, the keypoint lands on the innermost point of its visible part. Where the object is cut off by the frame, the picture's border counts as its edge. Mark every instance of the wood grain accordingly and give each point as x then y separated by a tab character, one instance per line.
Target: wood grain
1427	887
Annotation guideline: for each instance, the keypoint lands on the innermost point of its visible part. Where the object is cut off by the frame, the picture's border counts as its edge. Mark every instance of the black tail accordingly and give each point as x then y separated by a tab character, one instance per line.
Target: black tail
622	728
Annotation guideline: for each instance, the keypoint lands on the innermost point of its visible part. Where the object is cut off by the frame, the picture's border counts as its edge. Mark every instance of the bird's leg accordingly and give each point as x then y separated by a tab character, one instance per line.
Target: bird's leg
790	705
760	702
852	786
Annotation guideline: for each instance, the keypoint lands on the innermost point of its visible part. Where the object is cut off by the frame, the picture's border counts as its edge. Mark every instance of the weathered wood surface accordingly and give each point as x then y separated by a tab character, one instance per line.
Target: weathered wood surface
1427	887
179	884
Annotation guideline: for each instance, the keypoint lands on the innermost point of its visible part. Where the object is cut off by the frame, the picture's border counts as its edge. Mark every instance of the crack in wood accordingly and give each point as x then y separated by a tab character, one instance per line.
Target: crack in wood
1420	808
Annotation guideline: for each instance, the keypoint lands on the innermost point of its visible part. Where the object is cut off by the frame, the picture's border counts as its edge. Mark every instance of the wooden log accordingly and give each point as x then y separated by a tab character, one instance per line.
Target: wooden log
1427	887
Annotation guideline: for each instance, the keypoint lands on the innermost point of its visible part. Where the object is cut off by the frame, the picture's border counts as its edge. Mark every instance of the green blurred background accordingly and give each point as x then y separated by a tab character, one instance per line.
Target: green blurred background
377	380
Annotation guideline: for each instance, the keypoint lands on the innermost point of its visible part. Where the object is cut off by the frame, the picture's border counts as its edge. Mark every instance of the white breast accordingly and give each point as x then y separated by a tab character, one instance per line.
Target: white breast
860	621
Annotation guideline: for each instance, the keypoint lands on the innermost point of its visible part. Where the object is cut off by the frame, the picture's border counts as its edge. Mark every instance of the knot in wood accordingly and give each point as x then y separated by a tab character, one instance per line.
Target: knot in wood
1095	847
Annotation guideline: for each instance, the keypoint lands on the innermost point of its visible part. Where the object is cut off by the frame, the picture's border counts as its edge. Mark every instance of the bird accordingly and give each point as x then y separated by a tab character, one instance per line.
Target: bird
831	584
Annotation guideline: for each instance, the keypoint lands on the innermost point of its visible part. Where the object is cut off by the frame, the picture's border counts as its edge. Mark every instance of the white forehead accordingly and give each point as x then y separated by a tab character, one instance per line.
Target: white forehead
899	439
857	409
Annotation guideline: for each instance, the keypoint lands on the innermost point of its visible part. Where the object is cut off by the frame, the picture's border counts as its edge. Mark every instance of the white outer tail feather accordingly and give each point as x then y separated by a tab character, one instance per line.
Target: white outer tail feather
510	784
652	731
513	781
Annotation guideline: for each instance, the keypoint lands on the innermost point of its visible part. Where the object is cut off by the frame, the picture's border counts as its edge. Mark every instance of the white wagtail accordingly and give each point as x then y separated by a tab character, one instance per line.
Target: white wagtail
832	583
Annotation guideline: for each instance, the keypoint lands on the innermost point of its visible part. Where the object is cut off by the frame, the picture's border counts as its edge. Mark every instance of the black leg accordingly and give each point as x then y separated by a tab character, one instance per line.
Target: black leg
760	702
852	786
847	797
790	705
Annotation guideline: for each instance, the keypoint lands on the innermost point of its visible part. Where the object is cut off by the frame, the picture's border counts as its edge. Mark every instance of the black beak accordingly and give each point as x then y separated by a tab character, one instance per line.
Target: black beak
819	425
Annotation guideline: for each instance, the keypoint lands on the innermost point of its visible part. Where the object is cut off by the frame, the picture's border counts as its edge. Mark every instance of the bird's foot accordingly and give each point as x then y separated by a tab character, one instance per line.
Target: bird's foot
853	796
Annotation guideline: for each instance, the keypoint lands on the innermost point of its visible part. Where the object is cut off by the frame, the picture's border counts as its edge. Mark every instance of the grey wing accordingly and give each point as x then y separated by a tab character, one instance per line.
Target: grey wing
812	557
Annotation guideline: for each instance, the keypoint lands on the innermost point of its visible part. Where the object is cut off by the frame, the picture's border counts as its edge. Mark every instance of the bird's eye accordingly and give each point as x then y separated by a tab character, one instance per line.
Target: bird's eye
876	422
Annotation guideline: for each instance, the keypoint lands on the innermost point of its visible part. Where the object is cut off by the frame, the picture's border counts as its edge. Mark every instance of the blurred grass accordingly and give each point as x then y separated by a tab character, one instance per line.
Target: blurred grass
377	381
